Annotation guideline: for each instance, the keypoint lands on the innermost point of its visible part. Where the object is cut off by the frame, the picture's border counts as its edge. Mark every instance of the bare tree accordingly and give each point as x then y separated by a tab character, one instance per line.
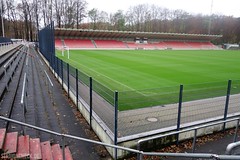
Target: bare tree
118	20
24	18
59	9
93	15
81	6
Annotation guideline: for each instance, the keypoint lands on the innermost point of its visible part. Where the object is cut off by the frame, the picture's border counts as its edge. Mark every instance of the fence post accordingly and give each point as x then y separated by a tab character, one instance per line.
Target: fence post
179	110
62	72
77	87
116	121
227	102
51	61
68	79
194	140
57	70
236	130
90	101
55	65
54	69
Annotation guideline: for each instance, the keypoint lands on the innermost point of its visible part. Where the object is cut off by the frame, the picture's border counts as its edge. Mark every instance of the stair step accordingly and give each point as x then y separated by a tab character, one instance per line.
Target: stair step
68	155
57	152
10	145
46	151
2	137
35	149
23	147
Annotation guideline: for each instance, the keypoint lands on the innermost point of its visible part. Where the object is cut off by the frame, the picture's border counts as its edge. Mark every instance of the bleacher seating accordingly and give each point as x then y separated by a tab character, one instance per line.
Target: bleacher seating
14	146
9	63
160	45
201	45
195	45
109	44
134	45
79	43
58	43
208	45
176	44
115	44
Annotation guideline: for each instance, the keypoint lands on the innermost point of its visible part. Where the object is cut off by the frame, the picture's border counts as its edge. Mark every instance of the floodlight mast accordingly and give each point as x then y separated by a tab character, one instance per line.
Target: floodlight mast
3	32
210	19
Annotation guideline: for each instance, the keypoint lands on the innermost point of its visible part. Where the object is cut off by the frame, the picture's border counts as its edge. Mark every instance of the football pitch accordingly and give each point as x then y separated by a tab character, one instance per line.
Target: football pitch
136	73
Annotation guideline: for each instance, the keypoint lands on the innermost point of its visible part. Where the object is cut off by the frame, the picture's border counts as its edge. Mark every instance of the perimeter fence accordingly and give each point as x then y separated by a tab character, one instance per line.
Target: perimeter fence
151	109
134	113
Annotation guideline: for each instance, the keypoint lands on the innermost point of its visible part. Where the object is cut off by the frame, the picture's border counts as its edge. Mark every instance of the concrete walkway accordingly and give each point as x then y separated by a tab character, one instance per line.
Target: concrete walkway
155	118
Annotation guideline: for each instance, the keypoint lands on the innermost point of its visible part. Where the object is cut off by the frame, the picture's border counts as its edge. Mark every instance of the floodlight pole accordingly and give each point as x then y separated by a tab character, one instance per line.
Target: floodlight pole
3	32
210	19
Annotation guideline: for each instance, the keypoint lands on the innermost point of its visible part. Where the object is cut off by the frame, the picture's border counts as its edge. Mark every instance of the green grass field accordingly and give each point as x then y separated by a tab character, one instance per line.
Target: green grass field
148	73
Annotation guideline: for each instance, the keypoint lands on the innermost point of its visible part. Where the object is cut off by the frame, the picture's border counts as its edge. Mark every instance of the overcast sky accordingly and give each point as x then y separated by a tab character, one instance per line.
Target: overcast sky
225	7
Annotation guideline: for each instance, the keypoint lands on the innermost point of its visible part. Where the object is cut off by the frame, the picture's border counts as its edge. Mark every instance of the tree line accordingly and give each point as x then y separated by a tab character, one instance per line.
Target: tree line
23	18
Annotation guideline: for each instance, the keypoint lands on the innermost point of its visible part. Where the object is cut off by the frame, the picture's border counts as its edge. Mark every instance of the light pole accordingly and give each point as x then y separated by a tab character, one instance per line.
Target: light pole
210	19
3	32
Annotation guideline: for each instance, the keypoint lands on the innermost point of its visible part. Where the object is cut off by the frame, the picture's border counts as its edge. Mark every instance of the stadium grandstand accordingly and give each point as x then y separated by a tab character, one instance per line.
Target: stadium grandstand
104	39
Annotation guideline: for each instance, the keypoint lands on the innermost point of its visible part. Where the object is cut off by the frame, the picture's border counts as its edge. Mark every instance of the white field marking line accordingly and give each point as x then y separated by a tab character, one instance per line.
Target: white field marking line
110	79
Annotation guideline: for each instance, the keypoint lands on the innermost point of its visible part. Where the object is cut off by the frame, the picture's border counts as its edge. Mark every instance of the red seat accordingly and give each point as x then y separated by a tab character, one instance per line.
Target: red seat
110	44
79	43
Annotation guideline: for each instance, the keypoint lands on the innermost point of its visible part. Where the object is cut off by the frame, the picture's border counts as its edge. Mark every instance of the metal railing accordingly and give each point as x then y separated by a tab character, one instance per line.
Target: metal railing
141	153
231	147
190	129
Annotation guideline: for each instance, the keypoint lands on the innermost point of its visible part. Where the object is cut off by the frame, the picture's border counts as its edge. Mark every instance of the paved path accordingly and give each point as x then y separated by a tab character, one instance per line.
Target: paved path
154	118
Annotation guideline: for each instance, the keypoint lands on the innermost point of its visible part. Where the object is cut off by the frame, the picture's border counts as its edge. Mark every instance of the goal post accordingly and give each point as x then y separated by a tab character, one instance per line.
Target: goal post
65	48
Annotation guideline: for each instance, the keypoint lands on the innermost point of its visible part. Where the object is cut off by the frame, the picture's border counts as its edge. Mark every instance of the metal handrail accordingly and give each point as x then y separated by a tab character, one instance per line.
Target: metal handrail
194	155
231	146
68	136
190	129
186	155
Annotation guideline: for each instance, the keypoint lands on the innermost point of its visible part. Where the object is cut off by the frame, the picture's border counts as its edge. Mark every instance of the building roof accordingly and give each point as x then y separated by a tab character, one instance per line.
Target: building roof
110	34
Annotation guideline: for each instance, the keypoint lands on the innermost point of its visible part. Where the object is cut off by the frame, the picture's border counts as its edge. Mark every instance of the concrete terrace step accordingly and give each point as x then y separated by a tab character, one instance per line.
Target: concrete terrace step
35	149
68	155
10	143
46	150
2	137
24	147
57	152
23	152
